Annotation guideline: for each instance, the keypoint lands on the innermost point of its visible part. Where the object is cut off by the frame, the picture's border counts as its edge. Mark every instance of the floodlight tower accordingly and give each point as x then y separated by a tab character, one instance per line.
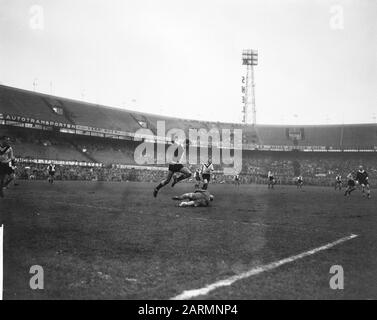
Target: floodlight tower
249	59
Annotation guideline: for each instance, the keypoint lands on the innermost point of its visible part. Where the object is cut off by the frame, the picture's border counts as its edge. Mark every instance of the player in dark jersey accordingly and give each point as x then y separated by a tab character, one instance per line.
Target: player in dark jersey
12	175
6	158
237	180
363	180
338	182
51	172
270	180
300	181
198	198
350	184
175	166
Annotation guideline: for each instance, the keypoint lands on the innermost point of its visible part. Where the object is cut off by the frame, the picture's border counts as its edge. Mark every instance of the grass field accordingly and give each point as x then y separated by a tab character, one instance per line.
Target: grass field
114	240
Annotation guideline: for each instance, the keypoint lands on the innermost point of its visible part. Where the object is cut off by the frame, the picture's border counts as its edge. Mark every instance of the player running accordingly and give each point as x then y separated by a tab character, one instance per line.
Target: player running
338	182
362	179
6	158
300	181
175	166
350	184
270	180
198	198
206	171
51	172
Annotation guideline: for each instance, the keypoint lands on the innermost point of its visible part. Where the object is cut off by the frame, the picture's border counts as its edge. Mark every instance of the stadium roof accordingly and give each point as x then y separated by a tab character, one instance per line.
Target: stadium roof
19	102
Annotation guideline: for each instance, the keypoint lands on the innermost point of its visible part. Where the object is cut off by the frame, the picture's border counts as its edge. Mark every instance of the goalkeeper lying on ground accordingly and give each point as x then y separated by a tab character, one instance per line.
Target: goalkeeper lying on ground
198	198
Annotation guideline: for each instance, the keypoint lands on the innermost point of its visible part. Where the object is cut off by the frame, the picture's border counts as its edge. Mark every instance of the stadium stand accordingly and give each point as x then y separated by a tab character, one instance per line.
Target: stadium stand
100	117
35	144
363	136
23	103
45	127
337	137
52	145
316	167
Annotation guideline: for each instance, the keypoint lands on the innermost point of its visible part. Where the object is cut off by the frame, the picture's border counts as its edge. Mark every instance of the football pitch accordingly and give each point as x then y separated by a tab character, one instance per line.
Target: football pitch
113	240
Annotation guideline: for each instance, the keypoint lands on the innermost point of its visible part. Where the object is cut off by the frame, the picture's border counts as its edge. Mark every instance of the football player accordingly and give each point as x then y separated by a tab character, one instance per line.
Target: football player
363	180
350	184
206	170
338	182
6	159
300	181
237	180
198	198
175	166
12	175
270	180
197	175
51	172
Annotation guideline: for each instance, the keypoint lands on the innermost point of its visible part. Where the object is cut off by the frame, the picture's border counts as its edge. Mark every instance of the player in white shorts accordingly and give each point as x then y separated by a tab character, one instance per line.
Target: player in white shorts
206	170
51	172
338	182
270	180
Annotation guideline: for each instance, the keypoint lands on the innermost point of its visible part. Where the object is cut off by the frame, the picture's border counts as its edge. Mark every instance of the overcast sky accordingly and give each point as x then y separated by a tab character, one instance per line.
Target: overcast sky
317	59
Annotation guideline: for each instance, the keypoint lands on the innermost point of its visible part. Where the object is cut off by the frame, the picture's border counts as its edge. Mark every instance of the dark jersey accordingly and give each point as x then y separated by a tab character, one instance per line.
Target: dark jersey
362	176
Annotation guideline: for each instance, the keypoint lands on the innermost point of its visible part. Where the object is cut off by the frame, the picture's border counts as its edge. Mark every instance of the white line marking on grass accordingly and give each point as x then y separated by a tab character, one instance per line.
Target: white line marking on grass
188	294
1	261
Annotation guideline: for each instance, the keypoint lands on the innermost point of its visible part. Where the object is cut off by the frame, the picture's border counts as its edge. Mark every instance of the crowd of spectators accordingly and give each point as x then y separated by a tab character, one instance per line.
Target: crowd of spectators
33	171
321	172
316	168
